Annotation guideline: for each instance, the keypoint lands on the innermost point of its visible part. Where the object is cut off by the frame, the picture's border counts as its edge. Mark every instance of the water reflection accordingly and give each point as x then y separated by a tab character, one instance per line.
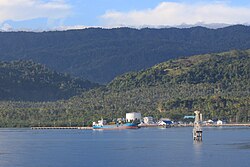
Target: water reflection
197	149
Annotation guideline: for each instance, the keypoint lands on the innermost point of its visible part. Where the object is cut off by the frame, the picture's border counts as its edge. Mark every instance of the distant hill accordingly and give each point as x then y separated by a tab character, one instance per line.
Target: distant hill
216	84
225	69
28	81
102	54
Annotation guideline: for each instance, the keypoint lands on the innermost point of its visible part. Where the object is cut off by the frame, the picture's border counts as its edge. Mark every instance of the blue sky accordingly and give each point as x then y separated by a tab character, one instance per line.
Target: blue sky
70	14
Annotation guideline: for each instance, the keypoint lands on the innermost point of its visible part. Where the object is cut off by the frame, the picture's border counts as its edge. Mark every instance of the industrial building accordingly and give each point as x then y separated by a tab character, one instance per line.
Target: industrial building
133	116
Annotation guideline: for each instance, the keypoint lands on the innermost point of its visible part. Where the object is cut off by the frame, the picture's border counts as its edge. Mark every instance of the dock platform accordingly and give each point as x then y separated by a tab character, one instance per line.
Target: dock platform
81	128
216	125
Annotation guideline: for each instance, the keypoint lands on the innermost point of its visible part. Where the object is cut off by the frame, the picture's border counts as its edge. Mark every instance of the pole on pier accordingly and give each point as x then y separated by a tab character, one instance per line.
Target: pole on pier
197	131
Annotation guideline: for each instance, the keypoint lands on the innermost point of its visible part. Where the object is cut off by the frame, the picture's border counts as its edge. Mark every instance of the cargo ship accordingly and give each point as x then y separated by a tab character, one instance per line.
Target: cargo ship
127	125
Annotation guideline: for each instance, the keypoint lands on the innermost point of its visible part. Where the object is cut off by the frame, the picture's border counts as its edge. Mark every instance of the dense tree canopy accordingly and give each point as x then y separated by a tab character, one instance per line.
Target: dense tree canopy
29	81
216	84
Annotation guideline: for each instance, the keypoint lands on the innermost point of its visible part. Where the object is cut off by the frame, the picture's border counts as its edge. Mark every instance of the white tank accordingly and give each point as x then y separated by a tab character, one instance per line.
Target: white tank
148	120
130	117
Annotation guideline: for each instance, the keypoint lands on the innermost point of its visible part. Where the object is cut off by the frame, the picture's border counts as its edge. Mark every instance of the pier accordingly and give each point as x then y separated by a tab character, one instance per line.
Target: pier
81	128
215	125
219	125
153	125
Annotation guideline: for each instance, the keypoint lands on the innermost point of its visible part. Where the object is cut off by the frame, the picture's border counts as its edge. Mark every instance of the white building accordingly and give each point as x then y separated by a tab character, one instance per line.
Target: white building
161	123
220	122
130	117
148	120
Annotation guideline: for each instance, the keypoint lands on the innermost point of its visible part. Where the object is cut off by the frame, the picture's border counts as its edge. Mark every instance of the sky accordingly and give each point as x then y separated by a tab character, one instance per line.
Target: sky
36	15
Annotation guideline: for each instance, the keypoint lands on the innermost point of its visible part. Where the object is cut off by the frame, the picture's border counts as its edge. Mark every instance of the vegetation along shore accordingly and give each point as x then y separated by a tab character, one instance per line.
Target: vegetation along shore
216	84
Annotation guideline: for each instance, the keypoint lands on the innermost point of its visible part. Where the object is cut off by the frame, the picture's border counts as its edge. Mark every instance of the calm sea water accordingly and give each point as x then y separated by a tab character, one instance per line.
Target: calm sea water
145	147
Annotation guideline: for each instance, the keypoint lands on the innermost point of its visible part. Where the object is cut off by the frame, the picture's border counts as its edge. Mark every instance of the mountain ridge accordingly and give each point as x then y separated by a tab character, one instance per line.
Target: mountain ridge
100	55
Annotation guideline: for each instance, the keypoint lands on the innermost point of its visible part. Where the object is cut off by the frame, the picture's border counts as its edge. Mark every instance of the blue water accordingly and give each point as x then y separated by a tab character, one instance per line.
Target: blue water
145	147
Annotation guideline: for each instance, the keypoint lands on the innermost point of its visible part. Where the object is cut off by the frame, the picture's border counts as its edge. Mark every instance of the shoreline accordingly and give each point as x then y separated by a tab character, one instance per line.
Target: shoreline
147	126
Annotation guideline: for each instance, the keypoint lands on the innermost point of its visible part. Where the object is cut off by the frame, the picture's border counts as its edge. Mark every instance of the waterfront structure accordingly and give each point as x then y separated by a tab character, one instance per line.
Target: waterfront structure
148	120
209	122
165	122
133	116
189	117
220	122
118	126
132	121
197	131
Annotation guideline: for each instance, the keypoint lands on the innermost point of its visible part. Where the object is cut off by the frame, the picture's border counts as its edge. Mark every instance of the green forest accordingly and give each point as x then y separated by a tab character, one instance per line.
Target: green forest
217	84
29	81
99	55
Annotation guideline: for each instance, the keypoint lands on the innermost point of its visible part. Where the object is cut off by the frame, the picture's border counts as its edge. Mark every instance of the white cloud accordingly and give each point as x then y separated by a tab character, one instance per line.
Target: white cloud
6	27
75	27
19	10
78	27
174	13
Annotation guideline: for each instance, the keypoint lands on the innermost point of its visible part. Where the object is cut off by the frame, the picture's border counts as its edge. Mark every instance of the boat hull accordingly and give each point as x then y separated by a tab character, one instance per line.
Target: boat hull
116	127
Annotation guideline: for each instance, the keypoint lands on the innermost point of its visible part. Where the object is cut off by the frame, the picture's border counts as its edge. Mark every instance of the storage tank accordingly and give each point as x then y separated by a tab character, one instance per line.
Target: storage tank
148	120
130	117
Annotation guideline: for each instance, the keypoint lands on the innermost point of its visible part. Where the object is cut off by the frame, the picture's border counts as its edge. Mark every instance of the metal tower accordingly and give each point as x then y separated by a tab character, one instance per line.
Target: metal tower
197	131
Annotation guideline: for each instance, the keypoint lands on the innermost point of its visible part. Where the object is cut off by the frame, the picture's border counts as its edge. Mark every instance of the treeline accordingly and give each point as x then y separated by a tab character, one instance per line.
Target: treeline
29	81
216	84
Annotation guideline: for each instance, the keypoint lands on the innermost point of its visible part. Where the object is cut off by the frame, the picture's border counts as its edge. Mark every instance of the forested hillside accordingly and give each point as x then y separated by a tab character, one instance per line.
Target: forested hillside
216	84
225	69
28	81
102	54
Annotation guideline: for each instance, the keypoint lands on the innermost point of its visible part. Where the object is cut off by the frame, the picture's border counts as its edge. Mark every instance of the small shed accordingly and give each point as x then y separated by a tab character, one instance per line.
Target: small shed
220	122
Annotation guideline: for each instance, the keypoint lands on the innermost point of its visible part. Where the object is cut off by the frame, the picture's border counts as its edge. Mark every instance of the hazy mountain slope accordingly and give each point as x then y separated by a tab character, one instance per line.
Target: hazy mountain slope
28	81
102	54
